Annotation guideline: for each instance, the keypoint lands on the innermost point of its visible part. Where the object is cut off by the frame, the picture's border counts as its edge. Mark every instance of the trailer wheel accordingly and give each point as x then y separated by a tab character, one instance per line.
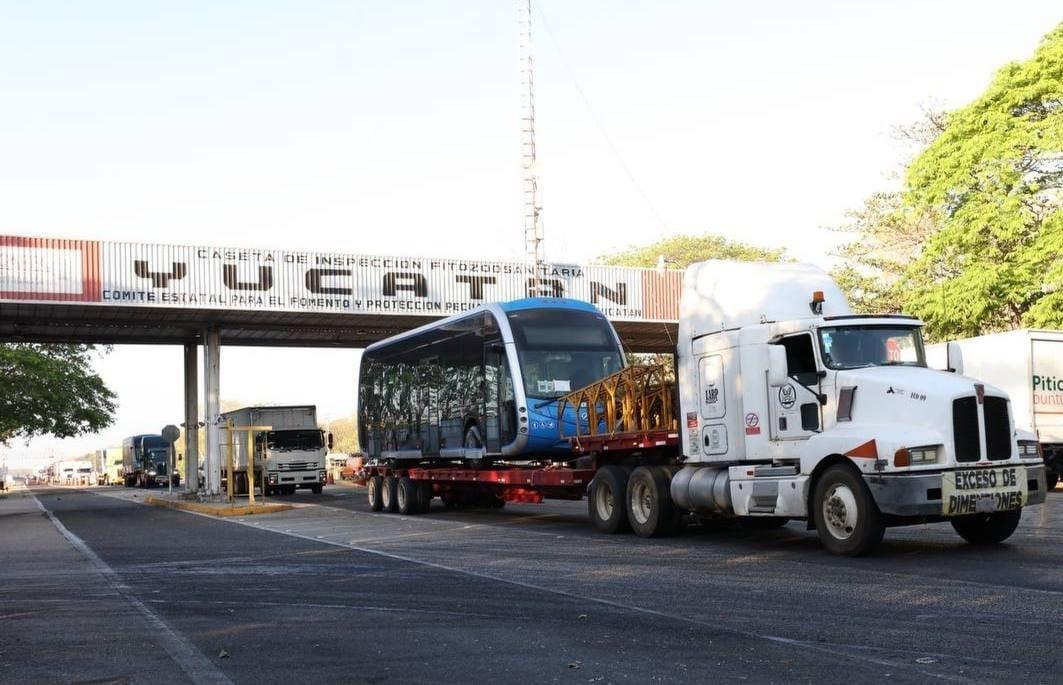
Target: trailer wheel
607	498
407	497
424	497
846	518
373	491
388	494
651	511
987	529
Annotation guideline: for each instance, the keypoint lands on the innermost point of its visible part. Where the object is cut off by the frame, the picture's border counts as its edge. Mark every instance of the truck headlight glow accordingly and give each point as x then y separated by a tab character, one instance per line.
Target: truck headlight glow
152	473
927	454
1029	448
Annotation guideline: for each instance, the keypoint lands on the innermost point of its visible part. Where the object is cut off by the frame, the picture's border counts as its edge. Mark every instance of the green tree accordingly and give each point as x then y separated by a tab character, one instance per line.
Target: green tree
51	390
887	233
995	178
680	251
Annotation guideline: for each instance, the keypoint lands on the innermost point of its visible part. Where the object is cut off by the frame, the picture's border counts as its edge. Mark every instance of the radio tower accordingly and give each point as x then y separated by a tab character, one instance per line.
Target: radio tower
533	229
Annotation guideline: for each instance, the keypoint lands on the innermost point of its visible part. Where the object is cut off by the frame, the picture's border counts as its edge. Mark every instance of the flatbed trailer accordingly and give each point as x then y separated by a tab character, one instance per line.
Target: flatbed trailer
409	489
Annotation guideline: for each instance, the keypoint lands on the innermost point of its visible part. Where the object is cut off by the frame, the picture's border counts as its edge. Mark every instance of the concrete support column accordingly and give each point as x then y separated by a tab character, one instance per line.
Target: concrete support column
191	475
212	409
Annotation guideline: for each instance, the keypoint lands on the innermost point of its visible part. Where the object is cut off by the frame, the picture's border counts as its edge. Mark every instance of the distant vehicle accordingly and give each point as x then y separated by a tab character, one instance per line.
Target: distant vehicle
145	461
289	456
451	389
1028	366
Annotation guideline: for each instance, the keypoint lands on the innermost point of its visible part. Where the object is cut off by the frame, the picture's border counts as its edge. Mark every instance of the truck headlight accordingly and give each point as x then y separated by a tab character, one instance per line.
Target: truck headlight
927	454
1029	448
152	473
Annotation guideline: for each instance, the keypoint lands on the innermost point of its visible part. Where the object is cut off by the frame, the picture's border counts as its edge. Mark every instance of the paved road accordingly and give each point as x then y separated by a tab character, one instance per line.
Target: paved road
104	589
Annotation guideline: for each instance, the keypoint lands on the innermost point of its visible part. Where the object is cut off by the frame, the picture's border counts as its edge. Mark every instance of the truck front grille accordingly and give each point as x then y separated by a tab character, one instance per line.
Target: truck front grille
297	466
965	429
997	428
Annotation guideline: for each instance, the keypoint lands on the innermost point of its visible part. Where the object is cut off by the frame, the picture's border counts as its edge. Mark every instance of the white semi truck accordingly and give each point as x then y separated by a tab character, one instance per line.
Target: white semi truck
790	407
1026	364
289	456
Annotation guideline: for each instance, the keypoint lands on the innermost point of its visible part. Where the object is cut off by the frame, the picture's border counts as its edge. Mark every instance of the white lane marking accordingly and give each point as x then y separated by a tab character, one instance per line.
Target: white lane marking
195	665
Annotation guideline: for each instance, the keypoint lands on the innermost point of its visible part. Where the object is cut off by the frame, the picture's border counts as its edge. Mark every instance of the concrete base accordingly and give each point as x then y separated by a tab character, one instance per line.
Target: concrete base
218	508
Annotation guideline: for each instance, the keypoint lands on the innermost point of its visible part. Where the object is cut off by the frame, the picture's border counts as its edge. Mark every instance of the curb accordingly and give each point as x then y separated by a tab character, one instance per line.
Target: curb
225	509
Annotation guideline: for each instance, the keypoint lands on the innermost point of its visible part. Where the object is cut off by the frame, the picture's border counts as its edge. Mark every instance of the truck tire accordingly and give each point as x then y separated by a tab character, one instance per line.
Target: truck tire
316	489
406	497
424	497
651	511
987	529
388	497
1051	480
373	490
847	520
607	500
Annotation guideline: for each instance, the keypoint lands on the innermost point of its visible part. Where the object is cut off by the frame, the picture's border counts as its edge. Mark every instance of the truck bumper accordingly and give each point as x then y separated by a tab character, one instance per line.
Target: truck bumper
303	479
919	494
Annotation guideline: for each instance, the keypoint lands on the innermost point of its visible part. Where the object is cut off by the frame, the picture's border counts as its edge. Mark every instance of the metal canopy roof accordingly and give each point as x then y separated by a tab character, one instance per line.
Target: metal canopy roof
75	323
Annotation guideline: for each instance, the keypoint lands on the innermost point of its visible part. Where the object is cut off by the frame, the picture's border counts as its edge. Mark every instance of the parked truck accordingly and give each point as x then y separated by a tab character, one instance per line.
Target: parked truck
790	406
146	462
289	456
1028	365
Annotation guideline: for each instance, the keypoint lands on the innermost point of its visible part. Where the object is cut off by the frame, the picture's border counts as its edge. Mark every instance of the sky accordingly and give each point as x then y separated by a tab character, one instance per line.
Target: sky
377	127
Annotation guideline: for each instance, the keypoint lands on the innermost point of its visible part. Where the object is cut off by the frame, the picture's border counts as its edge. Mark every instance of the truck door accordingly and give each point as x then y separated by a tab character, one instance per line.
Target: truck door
795	407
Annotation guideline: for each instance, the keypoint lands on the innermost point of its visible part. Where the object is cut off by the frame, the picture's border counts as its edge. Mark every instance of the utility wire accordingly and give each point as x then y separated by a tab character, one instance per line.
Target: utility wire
597	122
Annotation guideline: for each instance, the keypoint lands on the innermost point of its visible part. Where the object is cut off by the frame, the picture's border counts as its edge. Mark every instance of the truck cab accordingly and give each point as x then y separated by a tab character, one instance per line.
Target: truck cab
795	407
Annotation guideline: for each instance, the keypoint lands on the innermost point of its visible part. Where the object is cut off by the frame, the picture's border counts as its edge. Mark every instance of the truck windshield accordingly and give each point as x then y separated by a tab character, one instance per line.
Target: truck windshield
294	440
563	350
851	347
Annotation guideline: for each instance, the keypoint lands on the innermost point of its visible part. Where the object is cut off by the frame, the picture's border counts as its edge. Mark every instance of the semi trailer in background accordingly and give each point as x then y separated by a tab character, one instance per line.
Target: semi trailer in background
1027	365
146	462
786	405
289	456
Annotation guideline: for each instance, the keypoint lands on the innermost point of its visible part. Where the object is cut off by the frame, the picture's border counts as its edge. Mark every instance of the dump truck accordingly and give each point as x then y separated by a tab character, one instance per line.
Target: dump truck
1028	365
786	405
288	456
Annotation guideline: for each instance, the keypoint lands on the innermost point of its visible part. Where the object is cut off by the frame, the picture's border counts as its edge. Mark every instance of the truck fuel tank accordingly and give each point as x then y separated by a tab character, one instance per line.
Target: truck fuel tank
702	488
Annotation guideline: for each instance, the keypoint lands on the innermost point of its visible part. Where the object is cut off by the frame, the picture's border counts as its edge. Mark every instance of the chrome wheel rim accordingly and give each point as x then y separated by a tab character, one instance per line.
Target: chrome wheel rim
840	513
604	501
641	502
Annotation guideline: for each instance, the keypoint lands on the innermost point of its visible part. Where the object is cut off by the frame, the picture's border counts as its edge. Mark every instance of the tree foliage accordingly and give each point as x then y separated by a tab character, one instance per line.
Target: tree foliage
995	178
344	434
680	251
51	390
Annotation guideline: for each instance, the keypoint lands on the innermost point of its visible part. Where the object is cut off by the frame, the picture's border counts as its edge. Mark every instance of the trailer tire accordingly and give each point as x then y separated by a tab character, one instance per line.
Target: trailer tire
607	500
388	494
424	497
987	529
651	511
373	490
847	520
407	497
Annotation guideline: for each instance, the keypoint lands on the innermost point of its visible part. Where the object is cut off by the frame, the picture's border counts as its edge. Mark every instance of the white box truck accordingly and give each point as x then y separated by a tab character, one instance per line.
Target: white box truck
1028	365
289	456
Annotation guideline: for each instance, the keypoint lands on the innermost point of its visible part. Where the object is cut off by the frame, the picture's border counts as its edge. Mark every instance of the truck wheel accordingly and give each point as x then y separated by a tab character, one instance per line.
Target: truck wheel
987	529
406	499
1051	480
651	512
606	499
388	497
373	491
316	489
846	518
424	497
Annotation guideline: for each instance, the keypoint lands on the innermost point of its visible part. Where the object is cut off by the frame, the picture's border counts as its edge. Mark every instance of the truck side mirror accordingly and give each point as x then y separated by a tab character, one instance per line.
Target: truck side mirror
954	358
778	372
330	441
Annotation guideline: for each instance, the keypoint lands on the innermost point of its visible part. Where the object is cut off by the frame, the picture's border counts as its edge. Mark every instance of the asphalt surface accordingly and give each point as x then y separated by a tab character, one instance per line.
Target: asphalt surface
97	587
